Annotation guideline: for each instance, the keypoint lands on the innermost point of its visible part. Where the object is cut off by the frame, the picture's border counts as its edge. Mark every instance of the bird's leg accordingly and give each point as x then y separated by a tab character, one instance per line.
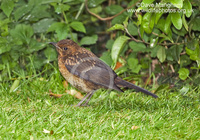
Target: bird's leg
86	96
91	93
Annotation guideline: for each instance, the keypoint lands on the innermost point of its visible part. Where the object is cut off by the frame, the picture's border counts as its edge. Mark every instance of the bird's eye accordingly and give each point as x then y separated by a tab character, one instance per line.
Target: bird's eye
65	48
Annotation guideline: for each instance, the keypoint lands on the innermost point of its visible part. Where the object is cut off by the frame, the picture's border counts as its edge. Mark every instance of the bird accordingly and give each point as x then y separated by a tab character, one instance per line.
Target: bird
86	72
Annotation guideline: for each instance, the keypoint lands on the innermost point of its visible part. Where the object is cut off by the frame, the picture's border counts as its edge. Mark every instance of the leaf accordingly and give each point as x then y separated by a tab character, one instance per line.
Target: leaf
61	8
195	24
139	22
118	65
176	20
75	93
60	28
154	51
192	54
96	10
193	51
94	3
2	67
119	19
165	37
4	27
22	11
7	6
188	7
23	33
113	9
177	3
183	73
132	29
142	32
54	26
116	27
50	53
50	1
158	15
106	57
191	44
4	45
137	47
55	95
160	24
65	84
176	52
182	32
185	60
185	89
173	53
78	26
133	65
134	127
37	13
118	47
161	54
43	25
185	22
14	85
148	22
72	1
34	46
167	24
148	1
46	131
162	87
125	23
88	40
109	44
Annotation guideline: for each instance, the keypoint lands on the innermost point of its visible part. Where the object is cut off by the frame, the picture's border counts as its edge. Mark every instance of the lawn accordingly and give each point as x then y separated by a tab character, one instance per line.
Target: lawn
30	113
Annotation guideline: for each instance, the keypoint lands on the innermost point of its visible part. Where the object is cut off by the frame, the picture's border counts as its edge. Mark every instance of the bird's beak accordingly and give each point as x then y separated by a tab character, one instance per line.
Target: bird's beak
53	43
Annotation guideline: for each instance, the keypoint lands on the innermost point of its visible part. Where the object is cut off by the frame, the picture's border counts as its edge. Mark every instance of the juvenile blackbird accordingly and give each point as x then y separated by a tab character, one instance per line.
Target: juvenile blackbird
85	71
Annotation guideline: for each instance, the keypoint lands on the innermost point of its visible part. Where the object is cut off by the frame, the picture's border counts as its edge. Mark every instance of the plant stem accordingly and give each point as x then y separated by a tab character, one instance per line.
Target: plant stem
66	21
65	17
80	10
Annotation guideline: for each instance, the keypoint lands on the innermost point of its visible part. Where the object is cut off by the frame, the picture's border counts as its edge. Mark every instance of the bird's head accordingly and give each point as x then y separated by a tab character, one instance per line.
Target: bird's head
65	47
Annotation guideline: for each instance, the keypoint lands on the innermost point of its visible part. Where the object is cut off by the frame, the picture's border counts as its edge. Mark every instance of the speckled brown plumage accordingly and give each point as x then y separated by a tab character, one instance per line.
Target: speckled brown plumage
83	70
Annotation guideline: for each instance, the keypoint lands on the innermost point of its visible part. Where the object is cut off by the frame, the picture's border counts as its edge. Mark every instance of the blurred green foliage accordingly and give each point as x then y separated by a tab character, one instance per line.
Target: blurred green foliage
134	39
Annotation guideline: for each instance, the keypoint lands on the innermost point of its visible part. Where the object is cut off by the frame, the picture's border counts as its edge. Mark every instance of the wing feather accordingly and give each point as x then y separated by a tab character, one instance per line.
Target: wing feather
91	68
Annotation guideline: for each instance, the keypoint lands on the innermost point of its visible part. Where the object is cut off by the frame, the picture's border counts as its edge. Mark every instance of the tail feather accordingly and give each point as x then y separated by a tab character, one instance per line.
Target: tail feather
122	83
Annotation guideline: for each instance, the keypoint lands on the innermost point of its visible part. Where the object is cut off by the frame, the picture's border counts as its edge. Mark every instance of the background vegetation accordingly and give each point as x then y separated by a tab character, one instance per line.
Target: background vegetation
158	49
152	44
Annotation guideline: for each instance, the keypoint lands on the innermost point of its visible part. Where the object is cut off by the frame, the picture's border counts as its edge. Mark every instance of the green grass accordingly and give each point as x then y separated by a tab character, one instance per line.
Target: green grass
25	113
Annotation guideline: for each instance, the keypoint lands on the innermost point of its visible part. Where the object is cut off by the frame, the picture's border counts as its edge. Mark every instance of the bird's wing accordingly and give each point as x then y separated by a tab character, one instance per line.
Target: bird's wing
89	67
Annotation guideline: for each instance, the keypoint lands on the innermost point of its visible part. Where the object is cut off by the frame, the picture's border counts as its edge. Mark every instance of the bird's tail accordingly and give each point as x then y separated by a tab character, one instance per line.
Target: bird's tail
122	83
